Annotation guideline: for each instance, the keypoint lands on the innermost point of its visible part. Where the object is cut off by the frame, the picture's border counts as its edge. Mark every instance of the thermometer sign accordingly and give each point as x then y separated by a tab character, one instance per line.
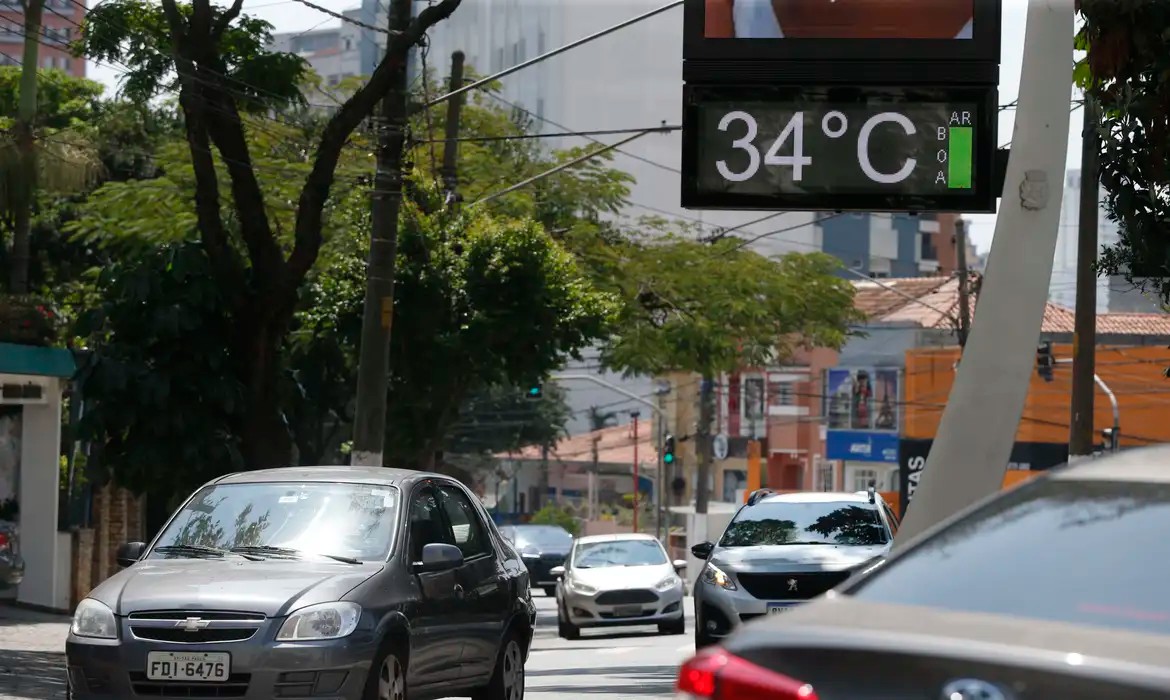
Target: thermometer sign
839	149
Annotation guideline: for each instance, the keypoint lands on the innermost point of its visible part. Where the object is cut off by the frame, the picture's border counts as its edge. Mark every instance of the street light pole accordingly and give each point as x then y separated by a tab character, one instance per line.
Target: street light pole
635	415
1115	437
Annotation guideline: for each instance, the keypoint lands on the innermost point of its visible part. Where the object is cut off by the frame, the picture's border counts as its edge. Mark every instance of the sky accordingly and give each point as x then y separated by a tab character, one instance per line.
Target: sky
291	16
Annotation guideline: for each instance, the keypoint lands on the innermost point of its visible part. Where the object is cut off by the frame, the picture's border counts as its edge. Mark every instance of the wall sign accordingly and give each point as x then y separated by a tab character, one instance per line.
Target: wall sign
861	446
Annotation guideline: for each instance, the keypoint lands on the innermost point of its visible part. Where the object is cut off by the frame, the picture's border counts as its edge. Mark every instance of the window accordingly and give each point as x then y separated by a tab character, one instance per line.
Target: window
862	478
795	522
1081	552
606	553
785	396
426	524
893	519
465	523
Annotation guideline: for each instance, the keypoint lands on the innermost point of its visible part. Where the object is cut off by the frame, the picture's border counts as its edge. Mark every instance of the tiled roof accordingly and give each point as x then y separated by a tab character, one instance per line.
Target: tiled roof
932	302
615	446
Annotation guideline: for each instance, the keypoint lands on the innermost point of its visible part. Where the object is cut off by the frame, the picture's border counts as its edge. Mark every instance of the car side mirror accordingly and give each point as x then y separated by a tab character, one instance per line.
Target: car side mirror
557	571
438	557
129	552
703	550
680	565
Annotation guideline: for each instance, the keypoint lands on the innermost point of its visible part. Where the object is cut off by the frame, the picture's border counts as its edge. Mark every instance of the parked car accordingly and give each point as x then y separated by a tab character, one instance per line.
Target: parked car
11	563
341	582
781	550
543	548
619	580
1050	590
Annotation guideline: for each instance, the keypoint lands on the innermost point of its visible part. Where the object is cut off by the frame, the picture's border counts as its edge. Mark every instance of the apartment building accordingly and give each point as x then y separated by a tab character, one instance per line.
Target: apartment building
59	26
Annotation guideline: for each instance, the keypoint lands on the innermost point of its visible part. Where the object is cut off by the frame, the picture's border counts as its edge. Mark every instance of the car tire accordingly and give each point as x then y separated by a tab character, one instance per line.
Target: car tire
565	628
702	639
387	679
550	591
677	627
507	681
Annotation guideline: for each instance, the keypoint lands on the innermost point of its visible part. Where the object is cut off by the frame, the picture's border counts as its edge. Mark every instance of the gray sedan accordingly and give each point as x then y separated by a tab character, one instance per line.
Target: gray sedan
331	582
1050	591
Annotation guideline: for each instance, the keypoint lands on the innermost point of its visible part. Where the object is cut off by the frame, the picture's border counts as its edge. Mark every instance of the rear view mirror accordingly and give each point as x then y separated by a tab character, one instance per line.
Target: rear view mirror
703	550
438	557
129	552
680	565
557	571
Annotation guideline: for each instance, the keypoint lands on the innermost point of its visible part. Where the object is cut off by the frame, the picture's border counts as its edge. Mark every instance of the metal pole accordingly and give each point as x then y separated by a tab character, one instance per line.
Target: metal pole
634	415
451	132
1116	438
1081	438
964	281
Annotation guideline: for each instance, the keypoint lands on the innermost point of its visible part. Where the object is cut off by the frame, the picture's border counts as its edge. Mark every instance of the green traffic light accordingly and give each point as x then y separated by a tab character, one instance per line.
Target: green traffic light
534	391
668	458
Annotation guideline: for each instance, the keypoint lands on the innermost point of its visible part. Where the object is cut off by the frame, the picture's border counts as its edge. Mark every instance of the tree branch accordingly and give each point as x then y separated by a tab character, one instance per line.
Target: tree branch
228	17
314	194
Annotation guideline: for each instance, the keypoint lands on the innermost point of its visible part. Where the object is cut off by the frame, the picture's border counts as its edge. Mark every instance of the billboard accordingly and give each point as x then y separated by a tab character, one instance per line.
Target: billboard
862	399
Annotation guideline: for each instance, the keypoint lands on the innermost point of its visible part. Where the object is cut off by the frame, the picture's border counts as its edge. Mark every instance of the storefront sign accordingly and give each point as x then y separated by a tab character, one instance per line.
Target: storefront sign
861	446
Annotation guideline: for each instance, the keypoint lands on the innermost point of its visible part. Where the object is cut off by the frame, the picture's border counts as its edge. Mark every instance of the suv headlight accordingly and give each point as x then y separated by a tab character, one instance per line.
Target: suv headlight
716	577
668	583
95	620
318	622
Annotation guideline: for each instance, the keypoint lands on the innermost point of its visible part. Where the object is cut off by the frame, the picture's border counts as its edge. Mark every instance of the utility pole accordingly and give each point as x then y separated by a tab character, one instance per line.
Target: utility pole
451	133
369	426
635	415
26	148
964	281
1081	437
703	443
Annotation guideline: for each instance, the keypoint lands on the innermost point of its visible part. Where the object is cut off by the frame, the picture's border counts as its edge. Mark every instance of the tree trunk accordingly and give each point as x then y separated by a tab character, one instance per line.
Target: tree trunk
703	443
264	434
25	189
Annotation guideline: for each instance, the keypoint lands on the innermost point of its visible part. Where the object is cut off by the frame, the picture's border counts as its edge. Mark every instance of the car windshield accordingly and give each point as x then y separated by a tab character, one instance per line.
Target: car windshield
595	555
1090	553
541	536
788	523
355	521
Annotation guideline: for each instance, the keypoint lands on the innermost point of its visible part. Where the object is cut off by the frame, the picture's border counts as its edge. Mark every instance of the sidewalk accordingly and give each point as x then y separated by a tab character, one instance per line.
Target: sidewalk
32	655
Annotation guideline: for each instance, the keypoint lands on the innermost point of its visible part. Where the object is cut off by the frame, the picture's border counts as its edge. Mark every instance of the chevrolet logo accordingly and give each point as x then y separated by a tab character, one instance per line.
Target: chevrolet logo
192	624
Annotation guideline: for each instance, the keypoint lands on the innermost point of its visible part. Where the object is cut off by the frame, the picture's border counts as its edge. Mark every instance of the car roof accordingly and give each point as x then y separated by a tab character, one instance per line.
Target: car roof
618	537
1139	464
374	476
816	497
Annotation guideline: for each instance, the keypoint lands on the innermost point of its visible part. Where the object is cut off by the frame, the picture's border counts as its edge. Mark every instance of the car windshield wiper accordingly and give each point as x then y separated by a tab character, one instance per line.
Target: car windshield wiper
290	552
190	549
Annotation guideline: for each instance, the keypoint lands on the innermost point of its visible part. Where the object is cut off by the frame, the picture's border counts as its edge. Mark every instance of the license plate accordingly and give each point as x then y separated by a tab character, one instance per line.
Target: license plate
777	608
628	610
208	667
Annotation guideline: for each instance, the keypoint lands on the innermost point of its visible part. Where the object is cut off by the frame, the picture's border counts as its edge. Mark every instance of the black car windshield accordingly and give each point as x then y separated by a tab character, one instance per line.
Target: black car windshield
820	522
541	536
1080	552
595	555
332	519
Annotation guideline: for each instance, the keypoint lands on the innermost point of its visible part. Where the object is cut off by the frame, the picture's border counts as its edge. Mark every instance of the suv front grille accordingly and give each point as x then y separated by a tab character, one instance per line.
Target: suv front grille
203	636
790	586
633	597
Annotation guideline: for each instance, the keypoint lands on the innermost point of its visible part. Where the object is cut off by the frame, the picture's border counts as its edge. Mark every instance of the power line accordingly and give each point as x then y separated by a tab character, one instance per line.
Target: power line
524	137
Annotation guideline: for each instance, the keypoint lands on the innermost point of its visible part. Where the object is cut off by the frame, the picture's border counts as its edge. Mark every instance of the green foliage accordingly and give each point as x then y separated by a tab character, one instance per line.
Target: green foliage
63	101
1128	73
136	34
501	418
553	514
716	308
166	402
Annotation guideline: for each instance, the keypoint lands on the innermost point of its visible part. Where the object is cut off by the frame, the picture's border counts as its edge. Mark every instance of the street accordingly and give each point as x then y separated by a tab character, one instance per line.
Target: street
602	665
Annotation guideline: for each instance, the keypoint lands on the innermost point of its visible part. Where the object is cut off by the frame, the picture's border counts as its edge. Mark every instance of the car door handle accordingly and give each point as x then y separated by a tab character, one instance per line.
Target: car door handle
458	591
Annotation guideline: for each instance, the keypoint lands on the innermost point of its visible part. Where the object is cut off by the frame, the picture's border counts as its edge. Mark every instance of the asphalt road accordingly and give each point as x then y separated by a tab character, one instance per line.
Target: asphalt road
618	663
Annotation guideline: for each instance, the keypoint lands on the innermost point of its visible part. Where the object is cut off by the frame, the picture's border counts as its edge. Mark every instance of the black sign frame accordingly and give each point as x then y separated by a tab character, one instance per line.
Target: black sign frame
981	199
982	47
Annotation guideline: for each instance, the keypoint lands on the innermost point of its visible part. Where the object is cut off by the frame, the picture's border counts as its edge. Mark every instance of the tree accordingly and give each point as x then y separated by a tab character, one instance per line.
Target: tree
1127	72
500	418
713	309
215	59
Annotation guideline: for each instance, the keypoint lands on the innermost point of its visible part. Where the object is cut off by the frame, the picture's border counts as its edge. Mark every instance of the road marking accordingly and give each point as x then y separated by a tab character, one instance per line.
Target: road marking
616	650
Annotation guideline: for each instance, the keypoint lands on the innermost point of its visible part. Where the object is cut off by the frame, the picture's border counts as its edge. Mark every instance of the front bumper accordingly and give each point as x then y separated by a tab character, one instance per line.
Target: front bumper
540	568
719	611
332	670
597	610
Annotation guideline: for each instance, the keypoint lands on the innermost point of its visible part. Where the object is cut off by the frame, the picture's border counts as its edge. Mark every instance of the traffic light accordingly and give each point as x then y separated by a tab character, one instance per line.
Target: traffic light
1045	361
668	450
535	391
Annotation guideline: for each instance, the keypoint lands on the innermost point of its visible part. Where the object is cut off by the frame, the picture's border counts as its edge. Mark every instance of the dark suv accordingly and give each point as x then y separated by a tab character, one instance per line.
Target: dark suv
543	548
335	582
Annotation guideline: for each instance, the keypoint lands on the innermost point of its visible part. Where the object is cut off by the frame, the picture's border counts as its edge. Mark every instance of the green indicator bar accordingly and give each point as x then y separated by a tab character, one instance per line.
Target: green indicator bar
959	157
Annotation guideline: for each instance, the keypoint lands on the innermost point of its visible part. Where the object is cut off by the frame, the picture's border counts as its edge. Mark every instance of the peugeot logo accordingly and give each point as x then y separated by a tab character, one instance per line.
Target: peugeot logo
972	689
791	584
192	624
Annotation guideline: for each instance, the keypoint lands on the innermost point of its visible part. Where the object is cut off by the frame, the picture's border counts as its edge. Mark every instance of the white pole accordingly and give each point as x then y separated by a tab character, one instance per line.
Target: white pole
978	428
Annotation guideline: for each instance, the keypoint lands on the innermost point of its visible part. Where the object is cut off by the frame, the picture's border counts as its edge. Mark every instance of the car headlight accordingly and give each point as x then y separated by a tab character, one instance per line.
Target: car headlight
582	588
716	577
668	583
95	620
318	622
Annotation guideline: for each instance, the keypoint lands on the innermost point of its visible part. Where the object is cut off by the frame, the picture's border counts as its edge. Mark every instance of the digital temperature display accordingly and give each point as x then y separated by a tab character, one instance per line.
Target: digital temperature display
839	149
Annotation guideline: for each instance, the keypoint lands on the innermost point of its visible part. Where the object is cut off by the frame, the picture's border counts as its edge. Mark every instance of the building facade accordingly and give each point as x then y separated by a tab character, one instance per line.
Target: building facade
59	26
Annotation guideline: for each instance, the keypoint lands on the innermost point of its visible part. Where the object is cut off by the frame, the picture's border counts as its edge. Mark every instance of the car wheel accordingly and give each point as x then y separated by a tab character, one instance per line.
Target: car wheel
702	639
677	627
387	680
507	681
550	591
565	628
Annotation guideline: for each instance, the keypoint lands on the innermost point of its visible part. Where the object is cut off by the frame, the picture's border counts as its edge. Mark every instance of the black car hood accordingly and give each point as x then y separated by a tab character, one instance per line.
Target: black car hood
272	587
